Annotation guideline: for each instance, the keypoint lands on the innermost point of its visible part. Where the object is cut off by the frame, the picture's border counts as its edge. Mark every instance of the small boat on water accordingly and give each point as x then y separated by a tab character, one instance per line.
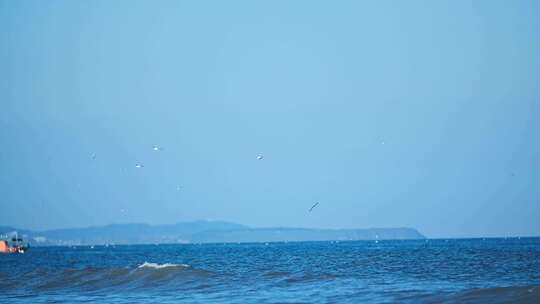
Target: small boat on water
17	245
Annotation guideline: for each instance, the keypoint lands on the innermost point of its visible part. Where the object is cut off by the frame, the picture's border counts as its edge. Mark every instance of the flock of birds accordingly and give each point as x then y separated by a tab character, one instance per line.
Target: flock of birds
260	156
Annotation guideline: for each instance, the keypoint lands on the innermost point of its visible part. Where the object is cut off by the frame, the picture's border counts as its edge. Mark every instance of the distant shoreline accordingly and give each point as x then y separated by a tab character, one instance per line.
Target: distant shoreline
202	232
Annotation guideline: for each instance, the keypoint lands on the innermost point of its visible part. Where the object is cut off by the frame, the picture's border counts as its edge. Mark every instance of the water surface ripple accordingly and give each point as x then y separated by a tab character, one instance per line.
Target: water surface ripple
422	271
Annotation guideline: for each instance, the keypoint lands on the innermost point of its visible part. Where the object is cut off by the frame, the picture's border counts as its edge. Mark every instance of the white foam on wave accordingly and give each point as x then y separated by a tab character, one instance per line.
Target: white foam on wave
161	266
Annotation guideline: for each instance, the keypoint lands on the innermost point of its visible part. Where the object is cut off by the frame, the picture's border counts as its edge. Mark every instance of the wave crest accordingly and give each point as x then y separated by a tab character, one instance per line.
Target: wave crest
146	276
161	266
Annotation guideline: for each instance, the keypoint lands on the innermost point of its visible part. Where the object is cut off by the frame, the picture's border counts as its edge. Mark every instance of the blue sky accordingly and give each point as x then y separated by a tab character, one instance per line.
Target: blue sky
388	113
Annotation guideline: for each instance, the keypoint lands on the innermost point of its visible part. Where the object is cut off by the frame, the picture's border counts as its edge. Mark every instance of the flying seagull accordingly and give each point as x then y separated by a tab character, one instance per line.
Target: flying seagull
138	166
260	156
314	205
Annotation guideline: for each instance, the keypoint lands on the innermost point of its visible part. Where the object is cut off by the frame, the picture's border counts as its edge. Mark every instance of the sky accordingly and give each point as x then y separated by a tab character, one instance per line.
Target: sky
419	114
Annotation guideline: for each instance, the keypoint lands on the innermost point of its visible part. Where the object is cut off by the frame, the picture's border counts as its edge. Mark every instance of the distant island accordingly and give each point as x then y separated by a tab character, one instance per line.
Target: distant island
200	232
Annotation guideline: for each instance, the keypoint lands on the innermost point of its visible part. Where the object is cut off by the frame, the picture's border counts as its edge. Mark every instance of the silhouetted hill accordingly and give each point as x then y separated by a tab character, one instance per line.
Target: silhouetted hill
202	232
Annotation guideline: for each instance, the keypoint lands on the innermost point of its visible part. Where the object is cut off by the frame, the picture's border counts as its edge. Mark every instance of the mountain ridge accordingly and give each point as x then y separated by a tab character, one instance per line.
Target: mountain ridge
201	231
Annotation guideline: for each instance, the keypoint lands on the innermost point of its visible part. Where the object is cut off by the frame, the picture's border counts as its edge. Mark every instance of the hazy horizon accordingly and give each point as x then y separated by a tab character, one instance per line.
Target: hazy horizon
193	221
263	227
388	114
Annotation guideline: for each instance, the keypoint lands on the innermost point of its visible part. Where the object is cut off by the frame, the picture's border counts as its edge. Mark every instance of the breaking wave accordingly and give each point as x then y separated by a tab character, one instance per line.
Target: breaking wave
161	266
142	277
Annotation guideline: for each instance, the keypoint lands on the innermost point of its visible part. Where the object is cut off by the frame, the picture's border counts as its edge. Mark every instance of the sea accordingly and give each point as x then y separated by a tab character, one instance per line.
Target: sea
491	270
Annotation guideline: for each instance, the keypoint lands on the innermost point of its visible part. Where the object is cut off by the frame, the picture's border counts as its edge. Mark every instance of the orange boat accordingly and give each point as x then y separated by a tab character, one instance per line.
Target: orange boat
18	246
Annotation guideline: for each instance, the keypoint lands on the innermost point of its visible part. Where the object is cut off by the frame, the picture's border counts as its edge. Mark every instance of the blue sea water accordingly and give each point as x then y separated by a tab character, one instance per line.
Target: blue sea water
419	271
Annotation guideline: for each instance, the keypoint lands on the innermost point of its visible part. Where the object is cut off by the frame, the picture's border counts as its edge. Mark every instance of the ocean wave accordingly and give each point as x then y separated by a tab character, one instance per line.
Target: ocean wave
161	266
519	294
154	276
